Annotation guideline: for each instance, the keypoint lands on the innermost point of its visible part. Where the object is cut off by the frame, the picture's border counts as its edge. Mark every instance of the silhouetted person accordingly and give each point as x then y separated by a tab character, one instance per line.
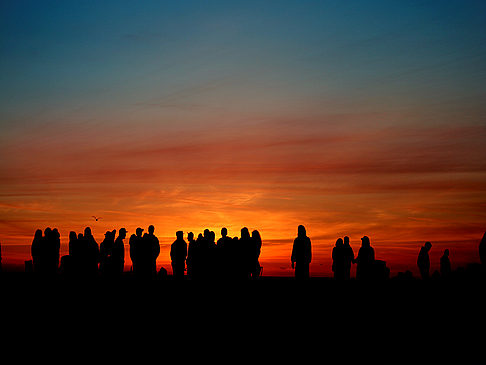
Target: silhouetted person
224	253
338	259
348	258
365	260
134	242
234	259
118	253
301	254
197	258
91	253
56	248
148	252
257	248
191	253
482	250
72	261
178	254
423	260
106	250
36	251
73	241
47	253
245	254
445	265
224	238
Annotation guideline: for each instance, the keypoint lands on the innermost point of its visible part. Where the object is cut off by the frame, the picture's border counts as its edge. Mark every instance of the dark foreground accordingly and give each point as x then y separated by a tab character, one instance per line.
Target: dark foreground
270	320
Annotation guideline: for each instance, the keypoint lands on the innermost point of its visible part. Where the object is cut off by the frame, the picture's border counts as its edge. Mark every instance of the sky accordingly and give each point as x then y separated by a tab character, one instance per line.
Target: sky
349	117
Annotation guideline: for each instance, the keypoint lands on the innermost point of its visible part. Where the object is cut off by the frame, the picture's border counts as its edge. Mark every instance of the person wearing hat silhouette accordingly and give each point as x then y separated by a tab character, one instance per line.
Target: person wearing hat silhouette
118	253
365	259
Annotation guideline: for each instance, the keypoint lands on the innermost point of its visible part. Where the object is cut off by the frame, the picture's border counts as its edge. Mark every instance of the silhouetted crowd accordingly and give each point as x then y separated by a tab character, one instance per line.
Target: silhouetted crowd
206	258
202	258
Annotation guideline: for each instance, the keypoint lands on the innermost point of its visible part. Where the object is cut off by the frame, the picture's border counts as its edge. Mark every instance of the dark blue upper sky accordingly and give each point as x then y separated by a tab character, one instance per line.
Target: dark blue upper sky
245	54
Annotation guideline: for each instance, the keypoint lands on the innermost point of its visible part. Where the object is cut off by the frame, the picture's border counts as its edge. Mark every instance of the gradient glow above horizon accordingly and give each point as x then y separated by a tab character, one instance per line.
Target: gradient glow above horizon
352	118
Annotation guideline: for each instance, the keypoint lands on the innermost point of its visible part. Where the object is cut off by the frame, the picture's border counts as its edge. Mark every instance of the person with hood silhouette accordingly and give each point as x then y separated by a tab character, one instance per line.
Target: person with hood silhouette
301	254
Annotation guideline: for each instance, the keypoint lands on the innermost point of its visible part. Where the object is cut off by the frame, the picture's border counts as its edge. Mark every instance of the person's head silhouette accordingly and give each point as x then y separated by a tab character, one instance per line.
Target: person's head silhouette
190	236
224	232
151	229
245	233
428	246
301	231
180	235
122	233
139	231
72	236
365	241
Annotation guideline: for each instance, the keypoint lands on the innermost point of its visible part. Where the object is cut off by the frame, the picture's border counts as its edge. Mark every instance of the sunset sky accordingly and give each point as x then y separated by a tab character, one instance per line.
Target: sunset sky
350	117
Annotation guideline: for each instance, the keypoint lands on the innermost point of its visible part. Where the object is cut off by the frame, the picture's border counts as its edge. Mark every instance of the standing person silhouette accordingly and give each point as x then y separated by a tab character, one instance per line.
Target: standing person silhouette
152	248
365	260
257	248
106	250
191	253
348	258
445	265
223	261
118	253
91	253
178	254
36	251
301	254
423	260
245	254
338	259
134	242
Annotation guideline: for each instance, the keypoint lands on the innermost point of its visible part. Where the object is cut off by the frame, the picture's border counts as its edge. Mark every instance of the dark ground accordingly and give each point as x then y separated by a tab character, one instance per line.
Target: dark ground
270	320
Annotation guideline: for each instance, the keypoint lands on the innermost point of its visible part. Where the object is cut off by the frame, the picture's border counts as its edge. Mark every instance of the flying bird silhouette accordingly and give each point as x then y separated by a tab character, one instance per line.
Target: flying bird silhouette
96	218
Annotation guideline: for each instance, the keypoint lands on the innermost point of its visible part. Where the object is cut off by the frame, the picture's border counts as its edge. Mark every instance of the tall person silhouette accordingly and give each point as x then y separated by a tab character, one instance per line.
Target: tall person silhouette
118	254
365	260
36	251
423	260
338	259
301	254
445	265
348	258
178	254
134	242
151	250
257	248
